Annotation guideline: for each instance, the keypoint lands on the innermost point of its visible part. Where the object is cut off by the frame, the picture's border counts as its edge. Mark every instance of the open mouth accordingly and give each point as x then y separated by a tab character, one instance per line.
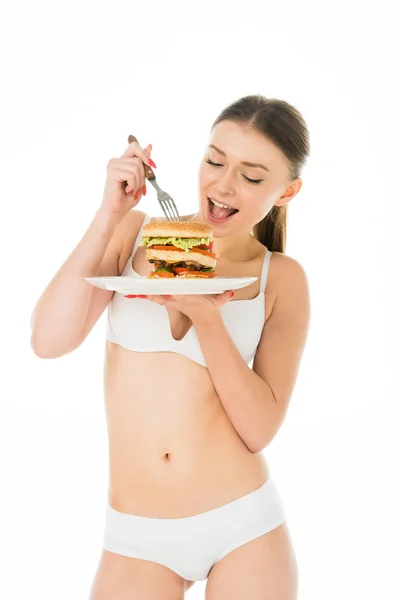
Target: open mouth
218	211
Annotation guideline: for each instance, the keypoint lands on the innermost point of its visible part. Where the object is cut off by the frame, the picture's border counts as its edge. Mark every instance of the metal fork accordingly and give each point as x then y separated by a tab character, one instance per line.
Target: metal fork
165	200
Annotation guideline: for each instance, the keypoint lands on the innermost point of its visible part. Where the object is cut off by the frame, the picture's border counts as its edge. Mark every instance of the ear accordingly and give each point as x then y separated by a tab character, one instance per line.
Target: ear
291	191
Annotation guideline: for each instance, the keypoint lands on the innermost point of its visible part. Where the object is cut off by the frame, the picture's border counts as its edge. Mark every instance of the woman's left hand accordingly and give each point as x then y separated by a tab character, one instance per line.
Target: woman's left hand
194	306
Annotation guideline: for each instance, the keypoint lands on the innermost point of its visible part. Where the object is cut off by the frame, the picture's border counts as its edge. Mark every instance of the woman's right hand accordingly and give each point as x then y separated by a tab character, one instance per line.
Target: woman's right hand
125	183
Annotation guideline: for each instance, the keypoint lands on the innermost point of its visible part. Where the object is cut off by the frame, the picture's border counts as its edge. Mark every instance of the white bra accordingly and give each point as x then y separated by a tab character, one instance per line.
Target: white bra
131	321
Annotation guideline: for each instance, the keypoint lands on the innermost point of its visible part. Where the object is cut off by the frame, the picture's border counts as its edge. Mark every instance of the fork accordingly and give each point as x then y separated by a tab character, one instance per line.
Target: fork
165	200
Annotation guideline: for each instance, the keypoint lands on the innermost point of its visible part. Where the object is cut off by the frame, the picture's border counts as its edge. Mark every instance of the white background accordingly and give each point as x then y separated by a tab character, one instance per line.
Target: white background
77	79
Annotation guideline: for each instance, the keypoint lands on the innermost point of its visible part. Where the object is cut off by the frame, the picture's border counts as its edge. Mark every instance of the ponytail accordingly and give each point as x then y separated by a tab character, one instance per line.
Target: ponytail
271	230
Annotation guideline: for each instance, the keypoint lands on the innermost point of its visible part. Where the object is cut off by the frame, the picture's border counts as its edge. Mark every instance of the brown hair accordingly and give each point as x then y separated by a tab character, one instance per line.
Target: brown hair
285	127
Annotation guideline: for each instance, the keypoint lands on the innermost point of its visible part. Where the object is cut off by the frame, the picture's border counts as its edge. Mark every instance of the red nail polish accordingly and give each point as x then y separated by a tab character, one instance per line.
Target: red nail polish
144	190
136	195
142	296
168	295
152	163
231	294
130	296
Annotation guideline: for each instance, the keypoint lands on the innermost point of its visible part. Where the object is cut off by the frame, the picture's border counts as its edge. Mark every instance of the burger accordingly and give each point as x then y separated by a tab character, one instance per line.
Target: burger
181	249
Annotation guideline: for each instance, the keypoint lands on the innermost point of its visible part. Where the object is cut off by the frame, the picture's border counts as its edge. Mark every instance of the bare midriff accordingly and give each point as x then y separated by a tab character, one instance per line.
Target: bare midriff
173	451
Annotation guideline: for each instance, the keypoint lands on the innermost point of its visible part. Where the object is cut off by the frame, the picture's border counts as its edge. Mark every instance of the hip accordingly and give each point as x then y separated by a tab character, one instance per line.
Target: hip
191	546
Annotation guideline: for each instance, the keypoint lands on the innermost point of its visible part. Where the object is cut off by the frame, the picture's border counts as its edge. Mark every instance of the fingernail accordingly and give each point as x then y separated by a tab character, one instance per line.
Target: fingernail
142	296
231	294
130	296
150	147
136	195
152	163
168	295
144	190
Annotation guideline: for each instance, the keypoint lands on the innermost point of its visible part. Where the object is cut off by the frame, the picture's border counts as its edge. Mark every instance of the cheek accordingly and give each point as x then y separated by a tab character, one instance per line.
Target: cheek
257	205
205	177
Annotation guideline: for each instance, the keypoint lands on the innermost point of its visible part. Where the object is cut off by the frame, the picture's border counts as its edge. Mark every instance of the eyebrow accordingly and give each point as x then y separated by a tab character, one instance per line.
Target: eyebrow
243	162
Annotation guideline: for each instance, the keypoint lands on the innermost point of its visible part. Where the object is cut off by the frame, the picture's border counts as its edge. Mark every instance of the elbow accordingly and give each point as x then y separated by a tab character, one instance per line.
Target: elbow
258	445
43	350
40	350
266	429
260	441
254	445
40	353
255	448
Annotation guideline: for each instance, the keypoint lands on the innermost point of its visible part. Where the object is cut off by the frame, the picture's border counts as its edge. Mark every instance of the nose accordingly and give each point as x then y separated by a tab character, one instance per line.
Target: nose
225	183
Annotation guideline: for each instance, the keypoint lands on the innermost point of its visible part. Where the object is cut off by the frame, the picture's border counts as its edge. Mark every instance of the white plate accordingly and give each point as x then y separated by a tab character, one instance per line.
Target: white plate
142	285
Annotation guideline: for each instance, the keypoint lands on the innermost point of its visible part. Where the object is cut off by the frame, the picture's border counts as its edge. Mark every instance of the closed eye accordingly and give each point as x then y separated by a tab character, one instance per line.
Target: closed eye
253	180
213	163
247	178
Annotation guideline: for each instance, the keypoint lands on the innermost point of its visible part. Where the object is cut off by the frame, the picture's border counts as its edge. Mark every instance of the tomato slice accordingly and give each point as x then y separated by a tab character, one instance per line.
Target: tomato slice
205	247
166	247
161	274
182	270
205	252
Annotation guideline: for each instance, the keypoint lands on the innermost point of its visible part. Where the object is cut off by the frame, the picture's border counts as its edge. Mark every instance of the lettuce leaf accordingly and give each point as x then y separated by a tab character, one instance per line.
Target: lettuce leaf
182	243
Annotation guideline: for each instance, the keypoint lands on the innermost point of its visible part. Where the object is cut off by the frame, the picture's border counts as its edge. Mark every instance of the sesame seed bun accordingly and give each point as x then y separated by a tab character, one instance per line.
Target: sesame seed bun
184	229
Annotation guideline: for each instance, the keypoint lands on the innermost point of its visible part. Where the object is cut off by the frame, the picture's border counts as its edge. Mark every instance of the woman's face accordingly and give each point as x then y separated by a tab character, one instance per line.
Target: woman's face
228	180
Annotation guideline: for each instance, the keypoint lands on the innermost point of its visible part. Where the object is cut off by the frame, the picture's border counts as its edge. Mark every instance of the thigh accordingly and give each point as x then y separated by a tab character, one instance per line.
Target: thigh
263	569
125	578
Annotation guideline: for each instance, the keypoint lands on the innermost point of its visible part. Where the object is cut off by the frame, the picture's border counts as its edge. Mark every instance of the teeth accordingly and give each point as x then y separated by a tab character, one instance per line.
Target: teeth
221	205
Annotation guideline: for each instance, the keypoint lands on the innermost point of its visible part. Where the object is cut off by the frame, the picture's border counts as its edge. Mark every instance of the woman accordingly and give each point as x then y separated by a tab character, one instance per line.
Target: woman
190	493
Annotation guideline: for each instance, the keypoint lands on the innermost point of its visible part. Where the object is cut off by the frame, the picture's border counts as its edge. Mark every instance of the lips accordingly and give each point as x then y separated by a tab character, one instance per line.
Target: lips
221	204
215	219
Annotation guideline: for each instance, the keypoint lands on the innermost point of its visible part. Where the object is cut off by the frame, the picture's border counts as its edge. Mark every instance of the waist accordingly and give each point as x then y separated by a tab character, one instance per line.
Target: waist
172	447
179	483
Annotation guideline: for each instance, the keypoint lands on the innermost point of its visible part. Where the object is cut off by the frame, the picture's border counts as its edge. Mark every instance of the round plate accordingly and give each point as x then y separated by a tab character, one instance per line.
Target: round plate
142	285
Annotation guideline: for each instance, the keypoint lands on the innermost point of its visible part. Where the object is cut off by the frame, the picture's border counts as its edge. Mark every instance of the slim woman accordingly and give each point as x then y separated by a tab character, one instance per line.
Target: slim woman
190	493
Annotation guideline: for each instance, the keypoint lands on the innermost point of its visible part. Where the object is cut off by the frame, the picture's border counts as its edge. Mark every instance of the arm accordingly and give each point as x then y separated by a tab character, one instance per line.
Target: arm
256	400
69	306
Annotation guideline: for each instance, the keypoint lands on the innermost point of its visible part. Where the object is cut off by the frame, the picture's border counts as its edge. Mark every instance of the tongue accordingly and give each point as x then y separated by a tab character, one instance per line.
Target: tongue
222	213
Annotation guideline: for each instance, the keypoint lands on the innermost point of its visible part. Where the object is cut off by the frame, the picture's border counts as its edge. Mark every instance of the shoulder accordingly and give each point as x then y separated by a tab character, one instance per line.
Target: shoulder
291	285
129	226
287	268
127	231
133	217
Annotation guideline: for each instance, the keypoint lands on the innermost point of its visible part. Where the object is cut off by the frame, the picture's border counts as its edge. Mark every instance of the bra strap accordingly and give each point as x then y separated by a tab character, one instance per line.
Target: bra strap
139	235
264	272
